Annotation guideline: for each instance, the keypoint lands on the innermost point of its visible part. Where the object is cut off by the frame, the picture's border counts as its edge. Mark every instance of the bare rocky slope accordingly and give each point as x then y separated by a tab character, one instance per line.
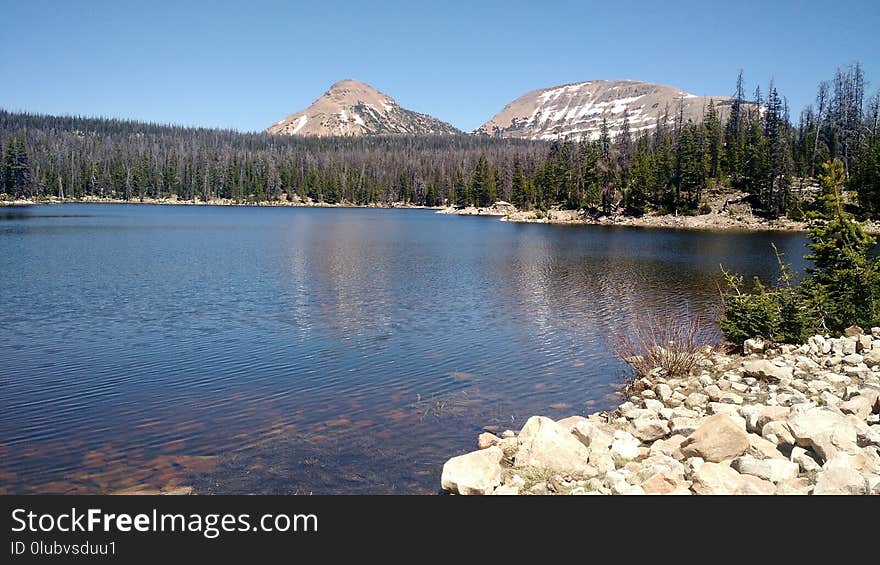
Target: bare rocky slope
352	108
577	110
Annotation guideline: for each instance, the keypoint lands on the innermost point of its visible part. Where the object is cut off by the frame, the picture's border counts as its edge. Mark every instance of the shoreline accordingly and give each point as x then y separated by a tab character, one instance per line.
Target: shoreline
789	420
215	202
712	222
717	221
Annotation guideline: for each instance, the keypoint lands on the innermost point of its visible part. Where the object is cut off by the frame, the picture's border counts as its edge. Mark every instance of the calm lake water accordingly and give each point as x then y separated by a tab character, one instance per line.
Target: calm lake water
294	350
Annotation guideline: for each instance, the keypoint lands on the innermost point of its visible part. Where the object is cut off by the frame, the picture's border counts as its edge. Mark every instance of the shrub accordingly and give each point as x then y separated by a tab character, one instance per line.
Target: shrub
674	344
842	288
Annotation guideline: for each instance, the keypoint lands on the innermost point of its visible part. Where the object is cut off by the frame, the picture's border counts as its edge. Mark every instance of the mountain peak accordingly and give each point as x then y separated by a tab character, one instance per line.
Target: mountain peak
578	109
352	108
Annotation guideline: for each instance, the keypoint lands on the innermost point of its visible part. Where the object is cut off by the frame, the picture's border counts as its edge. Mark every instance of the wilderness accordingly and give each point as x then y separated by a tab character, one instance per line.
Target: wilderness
753	151
250	340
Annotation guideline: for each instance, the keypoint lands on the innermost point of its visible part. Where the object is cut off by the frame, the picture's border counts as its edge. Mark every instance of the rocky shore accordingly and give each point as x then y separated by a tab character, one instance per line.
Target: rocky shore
788	420
726	214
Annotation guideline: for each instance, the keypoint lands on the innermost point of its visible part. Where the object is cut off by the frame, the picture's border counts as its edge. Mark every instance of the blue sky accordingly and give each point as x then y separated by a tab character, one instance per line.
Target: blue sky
247	64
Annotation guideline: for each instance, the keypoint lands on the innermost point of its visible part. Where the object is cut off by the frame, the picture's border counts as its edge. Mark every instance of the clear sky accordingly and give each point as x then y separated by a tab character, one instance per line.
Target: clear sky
247	64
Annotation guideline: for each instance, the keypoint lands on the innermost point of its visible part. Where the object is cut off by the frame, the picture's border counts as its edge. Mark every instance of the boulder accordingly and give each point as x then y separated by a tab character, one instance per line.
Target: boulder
485	440
665	483
670	446
664	391
717	439
650	429
696	400
824	431
771	414
765	370
685	426
853	359
778	433
762	448
755	345
475	473
838	477
804	460
624	448
859	406
853	331
773	470
872	358
798	486
570	422
547	445
715	478
592	435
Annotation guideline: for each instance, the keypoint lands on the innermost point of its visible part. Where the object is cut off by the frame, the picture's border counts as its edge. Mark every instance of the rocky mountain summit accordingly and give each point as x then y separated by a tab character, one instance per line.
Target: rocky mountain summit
788	420
577	110
352	108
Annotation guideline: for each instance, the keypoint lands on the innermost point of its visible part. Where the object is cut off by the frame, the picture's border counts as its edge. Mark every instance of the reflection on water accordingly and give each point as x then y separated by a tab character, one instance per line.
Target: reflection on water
313	350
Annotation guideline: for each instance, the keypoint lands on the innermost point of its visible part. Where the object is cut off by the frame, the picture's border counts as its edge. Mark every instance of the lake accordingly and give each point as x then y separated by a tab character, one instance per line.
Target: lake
314	350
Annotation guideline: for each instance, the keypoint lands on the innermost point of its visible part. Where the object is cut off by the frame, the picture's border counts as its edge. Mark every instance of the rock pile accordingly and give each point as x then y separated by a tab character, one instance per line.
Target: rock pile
787	420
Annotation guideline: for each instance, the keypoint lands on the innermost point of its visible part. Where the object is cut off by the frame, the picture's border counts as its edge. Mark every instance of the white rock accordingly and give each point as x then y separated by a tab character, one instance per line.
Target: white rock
806	463
715	478
624	448
654	405
778	433
650	429
824	431
765	370
773	470
547	445
475	473
753	346
486	439
696	400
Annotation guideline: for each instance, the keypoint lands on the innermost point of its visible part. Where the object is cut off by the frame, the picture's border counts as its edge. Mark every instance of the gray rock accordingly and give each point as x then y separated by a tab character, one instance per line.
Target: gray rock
475	473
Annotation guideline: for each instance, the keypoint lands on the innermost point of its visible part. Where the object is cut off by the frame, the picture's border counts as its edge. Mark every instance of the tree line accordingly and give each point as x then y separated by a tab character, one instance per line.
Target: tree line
756	150
753	147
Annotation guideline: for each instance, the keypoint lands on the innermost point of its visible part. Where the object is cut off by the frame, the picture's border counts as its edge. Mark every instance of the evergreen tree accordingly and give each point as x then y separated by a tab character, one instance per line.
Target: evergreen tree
483	185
